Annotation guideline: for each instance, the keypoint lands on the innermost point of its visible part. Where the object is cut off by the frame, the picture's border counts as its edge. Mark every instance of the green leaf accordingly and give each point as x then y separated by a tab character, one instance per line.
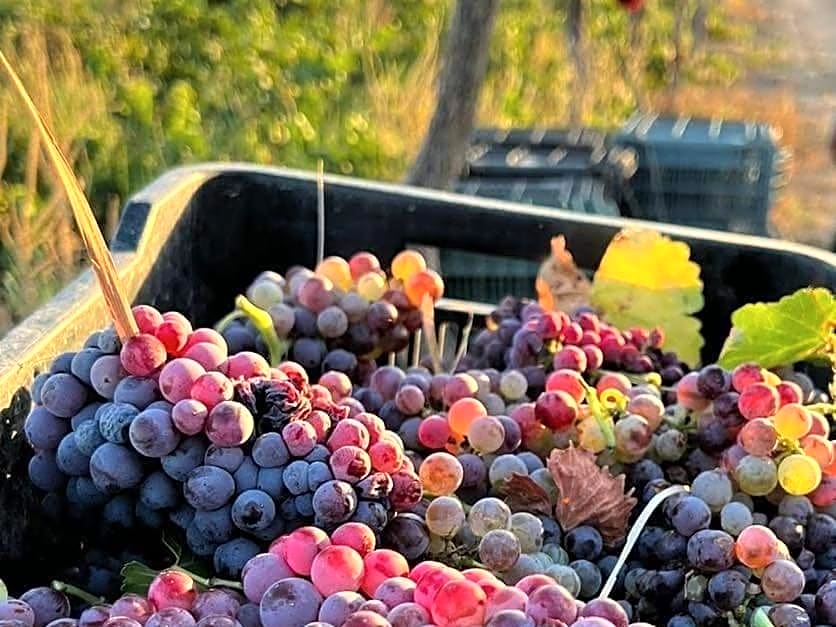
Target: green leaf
4	591
136	577
798	327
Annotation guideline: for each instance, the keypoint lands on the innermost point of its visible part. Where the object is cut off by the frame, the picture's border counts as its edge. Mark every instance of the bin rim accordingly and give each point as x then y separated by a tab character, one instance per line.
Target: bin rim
172	181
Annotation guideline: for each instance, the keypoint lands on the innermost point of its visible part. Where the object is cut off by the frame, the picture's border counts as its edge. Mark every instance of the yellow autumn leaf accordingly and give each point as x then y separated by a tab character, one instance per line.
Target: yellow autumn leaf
646	279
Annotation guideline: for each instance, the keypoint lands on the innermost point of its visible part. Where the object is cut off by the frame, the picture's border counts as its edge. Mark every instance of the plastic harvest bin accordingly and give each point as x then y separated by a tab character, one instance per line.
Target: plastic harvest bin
197	236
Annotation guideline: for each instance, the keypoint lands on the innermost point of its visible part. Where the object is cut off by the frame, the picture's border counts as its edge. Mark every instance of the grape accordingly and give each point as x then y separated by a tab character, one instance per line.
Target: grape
433	432
756	546
45	603
350	463
189	416
421	284
552	602
372	513
821	532
499	549
758	400
386	456
114	468
711	550
445	516
44	430
334	502
186	457
556	410
229	424
788	531
633	436
18	611
132	606
291	602
142	355
337	569
408	615
529	531
158	491
488	514
211	388
106	374
513	385
152	433
270	451
826	603
758	437
229	458
607	609
211	356
459	602
584	542
253	510
97	615
63	395
486	434
208	487
713	487
138	392
799	474
504	467
735	517
119	512
757	476
782	581
648	407
441	474
380	565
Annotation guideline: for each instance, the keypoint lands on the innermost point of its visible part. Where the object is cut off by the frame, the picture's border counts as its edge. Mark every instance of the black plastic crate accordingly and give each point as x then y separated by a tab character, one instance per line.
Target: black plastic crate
539	137
583	194
197	236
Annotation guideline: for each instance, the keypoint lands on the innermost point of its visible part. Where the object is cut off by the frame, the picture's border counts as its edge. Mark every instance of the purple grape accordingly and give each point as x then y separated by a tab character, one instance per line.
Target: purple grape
290	602
63	395
44	430
47	604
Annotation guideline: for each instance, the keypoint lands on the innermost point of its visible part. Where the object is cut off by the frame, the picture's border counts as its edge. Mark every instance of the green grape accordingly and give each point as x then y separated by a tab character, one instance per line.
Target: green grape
756	476
486	434
566	577
488	514
529	531
543	559
524	566
513	385
445	516
557	553
504	467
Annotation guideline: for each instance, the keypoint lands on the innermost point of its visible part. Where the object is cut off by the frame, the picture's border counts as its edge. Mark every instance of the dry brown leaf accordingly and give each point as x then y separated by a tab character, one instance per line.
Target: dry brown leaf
589	494
560	284
522	494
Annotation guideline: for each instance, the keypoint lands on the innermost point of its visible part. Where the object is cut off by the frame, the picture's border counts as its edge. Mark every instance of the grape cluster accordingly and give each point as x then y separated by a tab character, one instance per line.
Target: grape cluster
342	315
521	335
765	436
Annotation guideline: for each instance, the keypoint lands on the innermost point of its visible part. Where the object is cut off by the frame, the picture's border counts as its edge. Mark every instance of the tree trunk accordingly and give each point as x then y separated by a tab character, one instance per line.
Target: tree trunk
464	63
574	31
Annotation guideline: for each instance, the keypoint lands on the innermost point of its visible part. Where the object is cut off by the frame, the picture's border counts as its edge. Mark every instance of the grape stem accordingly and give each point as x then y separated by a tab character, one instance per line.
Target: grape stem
761	619
228	319
602	416
210	582
822	408
263	323
77	592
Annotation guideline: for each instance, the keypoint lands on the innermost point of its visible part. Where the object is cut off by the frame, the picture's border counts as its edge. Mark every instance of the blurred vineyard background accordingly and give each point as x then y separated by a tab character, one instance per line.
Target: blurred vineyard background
134	88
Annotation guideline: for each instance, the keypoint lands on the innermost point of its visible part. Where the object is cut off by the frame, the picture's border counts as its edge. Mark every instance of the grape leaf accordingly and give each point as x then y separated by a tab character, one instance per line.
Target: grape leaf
4	591
798	327
523	494
136	577
646	279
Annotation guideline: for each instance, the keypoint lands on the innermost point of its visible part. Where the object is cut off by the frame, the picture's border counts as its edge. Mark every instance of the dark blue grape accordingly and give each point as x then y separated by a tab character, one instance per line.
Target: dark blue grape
62	363
137	391
158	491
86	413
270	451
246	477
727	589
182	516
319	453
271	481
82	363
44	430
334	502
47	604
228	458
119	511
789	531
304	504
109	341
230	557
208	488
114	467
152	518
70	459
341	360
590	577
690	515
198	543
63	395
296	477
318	473
37	386
88	437
712	381
253	510
89	495
584	543
115	421
372	513
186	457
821	533
711	550
215	526
308	352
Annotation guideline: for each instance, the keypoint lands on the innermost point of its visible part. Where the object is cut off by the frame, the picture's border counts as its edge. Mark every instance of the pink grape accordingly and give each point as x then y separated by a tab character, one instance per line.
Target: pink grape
459	604
147	318
173	332
229	424
189	416
758	400
569	381
337	569
410	400
530	583
177	378
648	407
205	335
745	375
570	358
361	263
172	588
300	437
552	601
210	356
607	609
321	422
169	617
366	618
395	591
350	463
688	395
433	432
789	392
261	572
431	582
407	490
386	456
316	294
132	606
356	535
245	365
348	432
379	565
459	386
614	381
572	334
594	356
142	355
477	574
212	388
301	546
556	410
758	437
337	383
422	568
508	598
374	425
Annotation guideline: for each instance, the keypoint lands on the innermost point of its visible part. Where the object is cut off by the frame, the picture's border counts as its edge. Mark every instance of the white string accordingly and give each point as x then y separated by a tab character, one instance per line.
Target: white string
320	213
